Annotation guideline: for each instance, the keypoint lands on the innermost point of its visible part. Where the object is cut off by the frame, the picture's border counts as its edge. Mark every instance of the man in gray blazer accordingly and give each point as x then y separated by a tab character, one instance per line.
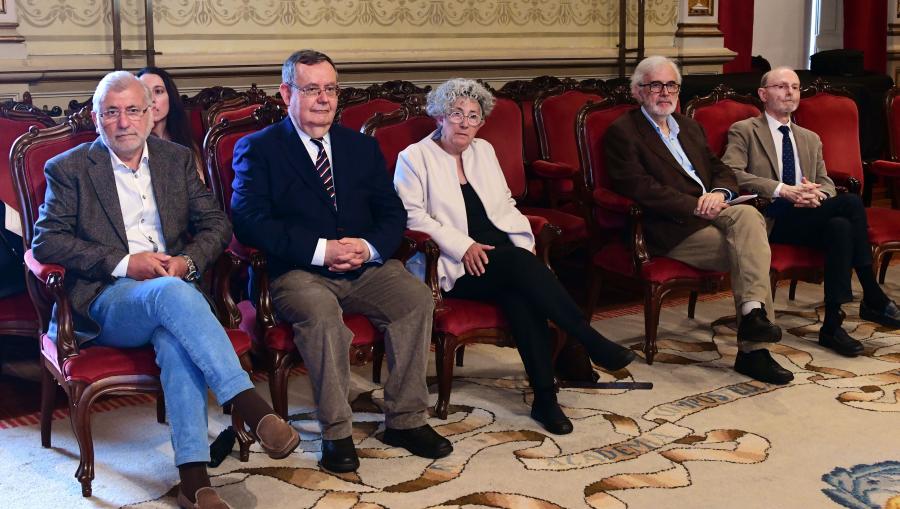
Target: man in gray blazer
777	159
134	226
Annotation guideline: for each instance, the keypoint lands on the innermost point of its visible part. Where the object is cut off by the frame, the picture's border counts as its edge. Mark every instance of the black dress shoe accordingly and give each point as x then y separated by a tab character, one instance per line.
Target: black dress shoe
609	355
755	326
889	316
840	342
339	455
423	441
760	365
552	418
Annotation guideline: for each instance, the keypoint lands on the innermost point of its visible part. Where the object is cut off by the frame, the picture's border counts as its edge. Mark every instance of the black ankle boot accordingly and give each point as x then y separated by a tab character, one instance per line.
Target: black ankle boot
607	354
546	411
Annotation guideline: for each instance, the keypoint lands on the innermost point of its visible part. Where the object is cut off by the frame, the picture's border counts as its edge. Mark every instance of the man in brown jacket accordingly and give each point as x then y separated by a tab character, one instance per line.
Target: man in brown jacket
661	160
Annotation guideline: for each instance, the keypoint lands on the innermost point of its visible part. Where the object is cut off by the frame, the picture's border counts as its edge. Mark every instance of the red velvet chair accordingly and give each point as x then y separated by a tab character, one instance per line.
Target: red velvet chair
716	113
889	169
356	106
457	322
554	116
832	114
623	257
240	106
85	374
272	340
196	106
17	315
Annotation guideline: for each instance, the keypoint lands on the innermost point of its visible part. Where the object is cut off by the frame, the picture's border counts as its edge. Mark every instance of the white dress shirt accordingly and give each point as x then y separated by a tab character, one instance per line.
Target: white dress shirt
143	228
777	139
313	150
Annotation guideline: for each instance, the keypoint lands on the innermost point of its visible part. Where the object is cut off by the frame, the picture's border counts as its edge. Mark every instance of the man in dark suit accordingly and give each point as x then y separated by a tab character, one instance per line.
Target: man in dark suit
661	160
777	159
134	226
316	197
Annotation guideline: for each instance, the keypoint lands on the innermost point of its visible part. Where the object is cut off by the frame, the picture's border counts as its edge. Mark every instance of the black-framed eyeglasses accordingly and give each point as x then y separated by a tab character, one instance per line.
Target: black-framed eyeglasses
314	91
657	86
132	112
784	86
457	117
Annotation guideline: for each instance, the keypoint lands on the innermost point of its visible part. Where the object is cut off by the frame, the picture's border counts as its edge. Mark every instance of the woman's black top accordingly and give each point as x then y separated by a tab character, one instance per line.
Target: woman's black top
481	229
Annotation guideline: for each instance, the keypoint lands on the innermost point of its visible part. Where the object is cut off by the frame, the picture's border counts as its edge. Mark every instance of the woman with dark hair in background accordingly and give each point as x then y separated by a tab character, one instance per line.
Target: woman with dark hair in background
170	121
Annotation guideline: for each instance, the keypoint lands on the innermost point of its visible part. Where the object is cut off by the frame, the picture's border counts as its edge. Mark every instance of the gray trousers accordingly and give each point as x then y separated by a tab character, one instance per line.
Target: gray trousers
737	242
396	303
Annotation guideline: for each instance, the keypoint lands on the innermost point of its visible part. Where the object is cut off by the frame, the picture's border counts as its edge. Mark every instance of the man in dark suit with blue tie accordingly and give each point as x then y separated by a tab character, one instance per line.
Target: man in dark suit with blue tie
317	198
777	159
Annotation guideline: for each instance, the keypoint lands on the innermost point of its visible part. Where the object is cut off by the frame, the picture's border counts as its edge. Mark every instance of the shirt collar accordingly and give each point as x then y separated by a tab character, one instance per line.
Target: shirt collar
674	129
775	124
305	137
116	162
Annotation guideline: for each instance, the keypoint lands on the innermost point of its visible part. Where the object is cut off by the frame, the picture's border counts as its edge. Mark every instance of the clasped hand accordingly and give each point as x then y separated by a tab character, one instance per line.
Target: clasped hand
710	204
150	265
475	258
346	254
804	194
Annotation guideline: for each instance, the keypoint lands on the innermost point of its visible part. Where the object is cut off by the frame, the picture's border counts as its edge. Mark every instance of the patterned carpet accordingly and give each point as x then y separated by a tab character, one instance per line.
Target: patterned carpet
705	436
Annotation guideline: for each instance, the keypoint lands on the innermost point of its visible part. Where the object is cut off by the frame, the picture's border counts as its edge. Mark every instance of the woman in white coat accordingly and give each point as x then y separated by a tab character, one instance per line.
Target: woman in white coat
454	190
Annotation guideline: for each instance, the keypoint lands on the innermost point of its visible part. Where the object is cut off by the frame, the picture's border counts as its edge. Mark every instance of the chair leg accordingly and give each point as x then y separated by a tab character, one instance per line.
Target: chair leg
460	355
692	305
80	417
444	353
652	306
278	374
161	408
377	361
593	294
793	291
48	398
883	267
773	284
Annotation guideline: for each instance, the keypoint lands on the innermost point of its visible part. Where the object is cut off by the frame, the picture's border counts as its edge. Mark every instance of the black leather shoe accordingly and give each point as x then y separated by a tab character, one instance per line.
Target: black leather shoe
755	326
760	365
840	342
609	355
889	316
339	455
552	418
423	441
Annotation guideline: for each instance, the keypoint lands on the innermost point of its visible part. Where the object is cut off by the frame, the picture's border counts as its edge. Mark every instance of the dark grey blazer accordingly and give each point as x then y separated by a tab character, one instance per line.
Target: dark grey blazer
81	227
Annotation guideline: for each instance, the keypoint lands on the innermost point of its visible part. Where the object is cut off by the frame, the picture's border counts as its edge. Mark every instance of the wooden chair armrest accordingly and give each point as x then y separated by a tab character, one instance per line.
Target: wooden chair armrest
52	281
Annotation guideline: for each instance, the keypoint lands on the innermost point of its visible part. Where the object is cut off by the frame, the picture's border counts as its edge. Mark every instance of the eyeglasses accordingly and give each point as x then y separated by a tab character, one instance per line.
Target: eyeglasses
457	117
314	91
132	112
784	86
657	86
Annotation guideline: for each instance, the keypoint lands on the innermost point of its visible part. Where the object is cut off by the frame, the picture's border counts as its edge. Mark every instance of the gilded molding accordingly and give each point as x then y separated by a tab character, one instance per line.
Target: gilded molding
344	13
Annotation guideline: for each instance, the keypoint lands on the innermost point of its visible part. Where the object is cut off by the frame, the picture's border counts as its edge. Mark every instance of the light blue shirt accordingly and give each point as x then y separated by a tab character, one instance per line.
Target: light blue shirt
671	142
313	150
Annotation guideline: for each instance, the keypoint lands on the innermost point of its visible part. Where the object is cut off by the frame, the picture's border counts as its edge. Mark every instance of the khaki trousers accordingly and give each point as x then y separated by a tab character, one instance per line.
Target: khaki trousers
396	303
737	242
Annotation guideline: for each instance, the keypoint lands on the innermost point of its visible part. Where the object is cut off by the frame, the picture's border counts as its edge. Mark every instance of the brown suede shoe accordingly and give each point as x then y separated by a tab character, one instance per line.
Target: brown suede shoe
276	437
207	498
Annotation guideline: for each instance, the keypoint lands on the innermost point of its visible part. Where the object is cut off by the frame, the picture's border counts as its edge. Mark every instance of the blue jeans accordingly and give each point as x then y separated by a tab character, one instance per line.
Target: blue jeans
192	351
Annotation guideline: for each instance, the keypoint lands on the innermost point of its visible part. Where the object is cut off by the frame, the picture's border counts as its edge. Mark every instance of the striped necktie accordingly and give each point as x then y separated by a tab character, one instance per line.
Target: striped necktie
323	168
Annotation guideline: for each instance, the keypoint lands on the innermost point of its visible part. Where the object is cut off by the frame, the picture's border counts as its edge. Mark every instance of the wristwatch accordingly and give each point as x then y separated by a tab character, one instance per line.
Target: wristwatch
192	274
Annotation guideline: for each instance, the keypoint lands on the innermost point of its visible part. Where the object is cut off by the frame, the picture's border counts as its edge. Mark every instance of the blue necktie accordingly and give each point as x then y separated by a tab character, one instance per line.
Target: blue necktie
788	173
323	169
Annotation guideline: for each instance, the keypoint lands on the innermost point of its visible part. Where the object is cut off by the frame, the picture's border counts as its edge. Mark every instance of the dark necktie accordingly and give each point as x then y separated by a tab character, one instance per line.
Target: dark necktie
323	168
788	173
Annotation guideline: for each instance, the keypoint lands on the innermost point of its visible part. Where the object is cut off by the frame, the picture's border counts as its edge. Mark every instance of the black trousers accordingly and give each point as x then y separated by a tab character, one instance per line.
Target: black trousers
838	227
529	294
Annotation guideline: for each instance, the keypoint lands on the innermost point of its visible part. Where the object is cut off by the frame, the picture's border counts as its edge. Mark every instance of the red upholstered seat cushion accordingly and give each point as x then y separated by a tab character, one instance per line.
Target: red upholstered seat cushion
884	225
393	138
835	119
240	340
785	257
9	131
616	257
573	227
461	315
353	117
281	337
717	118
98	362
17	308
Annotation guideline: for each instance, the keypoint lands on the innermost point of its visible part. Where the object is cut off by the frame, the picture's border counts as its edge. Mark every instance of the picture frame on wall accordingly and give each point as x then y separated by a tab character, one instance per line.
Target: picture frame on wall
703	7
